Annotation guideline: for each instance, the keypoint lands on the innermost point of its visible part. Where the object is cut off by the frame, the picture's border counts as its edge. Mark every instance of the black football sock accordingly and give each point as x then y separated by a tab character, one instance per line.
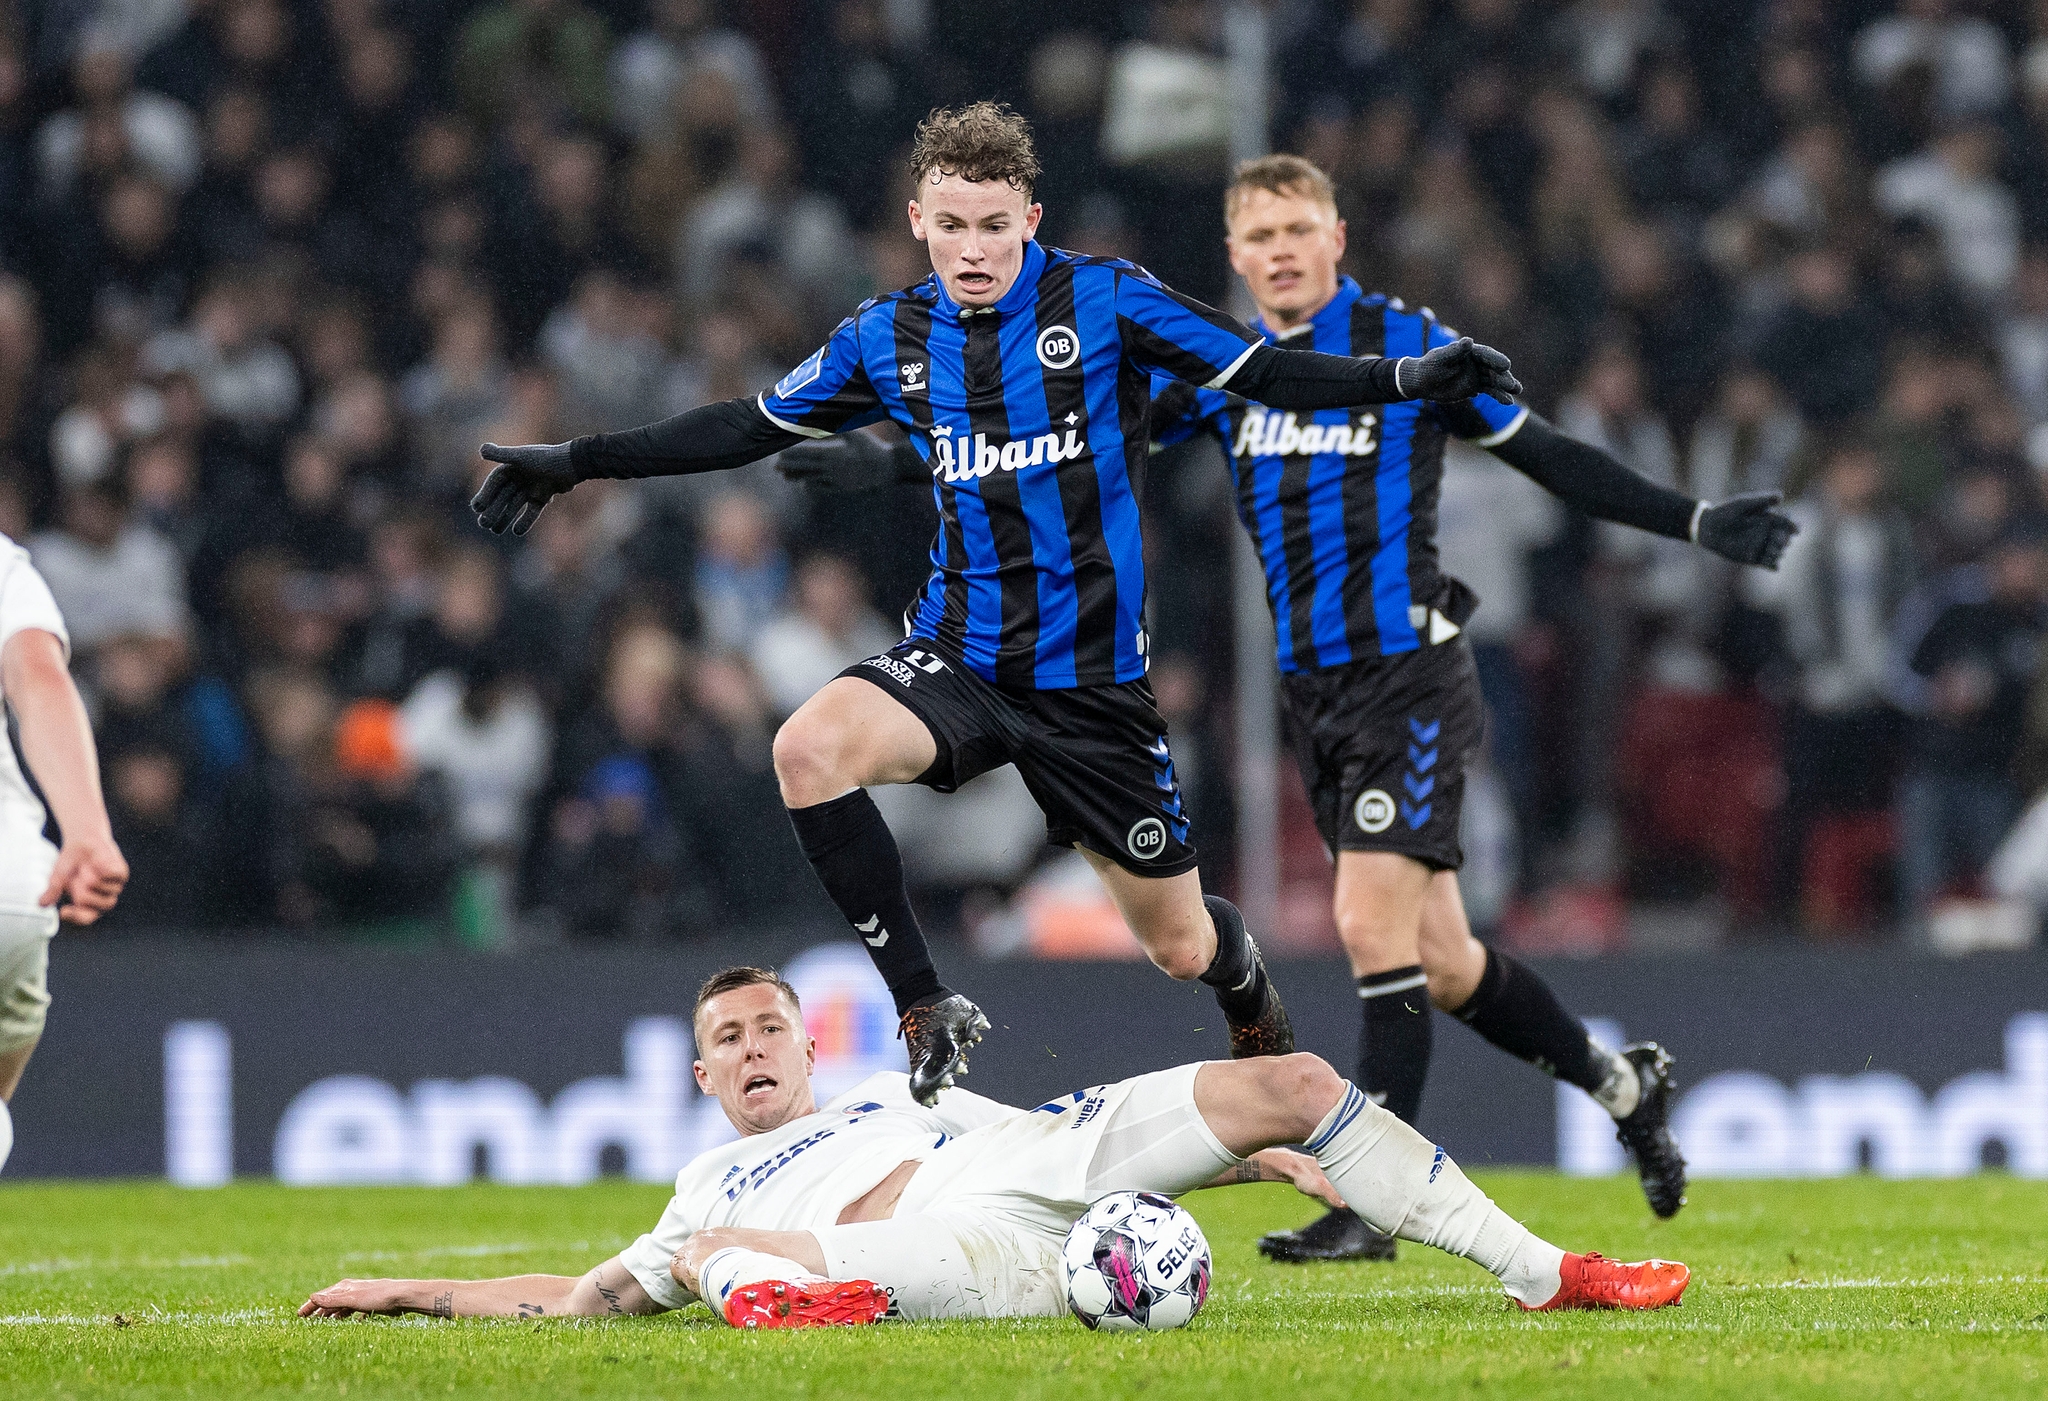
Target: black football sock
1516	1010
855	856
1393	1046
1234	975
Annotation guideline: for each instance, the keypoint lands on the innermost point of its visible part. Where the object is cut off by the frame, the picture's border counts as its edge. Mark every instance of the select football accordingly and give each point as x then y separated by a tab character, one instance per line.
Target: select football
1136	1261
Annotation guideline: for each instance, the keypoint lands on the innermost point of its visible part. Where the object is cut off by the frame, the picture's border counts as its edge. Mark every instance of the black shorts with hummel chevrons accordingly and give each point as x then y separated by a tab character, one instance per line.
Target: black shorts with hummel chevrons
1382	745
1094	757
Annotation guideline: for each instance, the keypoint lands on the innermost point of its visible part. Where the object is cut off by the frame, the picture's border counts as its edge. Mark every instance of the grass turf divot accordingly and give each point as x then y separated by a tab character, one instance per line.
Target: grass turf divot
1855	1287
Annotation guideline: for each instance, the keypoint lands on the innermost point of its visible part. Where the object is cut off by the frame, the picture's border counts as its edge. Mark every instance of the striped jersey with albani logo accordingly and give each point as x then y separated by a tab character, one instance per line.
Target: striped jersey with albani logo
1341	503
1032	415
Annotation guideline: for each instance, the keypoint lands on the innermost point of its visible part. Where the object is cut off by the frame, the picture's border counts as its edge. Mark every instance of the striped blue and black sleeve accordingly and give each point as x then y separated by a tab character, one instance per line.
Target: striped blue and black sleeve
1164	331
830	392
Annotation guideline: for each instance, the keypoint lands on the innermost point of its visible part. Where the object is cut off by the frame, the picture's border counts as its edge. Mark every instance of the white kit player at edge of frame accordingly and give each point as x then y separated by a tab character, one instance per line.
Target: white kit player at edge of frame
1136	1261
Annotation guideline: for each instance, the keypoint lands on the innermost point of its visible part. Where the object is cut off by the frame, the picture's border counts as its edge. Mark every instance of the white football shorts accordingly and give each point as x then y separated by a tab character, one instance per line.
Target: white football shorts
978	1231
24	976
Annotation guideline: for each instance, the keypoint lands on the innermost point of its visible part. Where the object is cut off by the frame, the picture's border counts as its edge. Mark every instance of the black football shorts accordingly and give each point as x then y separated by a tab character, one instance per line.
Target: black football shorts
1094	757
1382	745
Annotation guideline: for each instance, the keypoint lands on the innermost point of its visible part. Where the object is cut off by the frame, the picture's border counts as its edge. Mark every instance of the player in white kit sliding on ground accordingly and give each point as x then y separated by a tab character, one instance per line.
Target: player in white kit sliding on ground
88	872
875	1204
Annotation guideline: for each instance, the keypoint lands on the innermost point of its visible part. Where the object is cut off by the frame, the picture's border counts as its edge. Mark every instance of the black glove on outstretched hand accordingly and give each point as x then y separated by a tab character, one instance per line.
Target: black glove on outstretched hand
1463	369
516	492
1746	528
851	462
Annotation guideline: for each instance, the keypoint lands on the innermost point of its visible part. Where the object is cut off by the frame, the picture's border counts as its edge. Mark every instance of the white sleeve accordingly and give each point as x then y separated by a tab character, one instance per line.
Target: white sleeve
25	600
961	1111
647	1258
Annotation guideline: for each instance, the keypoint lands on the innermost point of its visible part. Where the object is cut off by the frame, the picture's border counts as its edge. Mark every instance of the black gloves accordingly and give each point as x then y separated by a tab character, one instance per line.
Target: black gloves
515	493
1745	528
851	462
1462	370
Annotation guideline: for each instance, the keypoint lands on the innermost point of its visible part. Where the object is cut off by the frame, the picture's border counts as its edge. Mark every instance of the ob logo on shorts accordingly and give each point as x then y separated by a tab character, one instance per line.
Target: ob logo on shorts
1374	811
1147	838
1058	347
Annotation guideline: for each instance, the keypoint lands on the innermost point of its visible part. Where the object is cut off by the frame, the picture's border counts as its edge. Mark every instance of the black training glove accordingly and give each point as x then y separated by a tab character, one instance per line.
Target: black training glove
1745	528
515	493
851	462
1464	369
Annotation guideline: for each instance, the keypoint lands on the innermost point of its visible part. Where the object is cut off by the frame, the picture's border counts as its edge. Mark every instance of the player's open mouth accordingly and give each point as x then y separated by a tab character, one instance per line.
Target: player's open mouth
757	1084
976	281
1283	281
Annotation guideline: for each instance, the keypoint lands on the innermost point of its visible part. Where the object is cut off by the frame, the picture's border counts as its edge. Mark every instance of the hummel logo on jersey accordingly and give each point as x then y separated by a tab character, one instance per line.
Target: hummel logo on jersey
1265	433
978	457
868	934
913	376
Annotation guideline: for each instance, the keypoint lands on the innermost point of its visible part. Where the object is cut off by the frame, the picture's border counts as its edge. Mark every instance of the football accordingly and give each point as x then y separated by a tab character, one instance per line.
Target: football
1136	1261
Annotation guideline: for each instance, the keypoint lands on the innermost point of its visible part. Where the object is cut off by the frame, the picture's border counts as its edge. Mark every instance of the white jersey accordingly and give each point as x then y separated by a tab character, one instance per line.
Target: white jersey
25	857
801	1176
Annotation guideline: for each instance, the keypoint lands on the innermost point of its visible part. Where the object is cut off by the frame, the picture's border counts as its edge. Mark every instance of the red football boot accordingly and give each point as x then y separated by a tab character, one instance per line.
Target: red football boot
806	1303
1592	1281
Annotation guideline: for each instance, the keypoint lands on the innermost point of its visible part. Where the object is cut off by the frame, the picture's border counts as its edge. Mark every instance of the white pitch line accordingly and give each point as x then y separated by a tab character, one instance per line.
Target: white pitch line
185	1262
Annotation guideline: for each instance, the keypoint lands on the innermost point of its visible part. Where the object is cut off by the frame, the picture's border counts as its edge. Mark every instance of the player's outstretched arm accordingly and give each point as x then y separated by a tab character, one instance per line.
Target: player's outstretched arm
1748	529
1309	379
608	1289
56	740
708	439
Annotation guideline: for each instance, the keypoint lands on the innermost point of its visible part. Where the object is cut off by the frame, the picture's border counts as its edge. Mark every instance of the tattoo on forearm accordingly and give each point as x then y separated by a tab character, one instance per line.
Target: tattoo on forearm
531	1310
1250	1171
611	1298
444	1304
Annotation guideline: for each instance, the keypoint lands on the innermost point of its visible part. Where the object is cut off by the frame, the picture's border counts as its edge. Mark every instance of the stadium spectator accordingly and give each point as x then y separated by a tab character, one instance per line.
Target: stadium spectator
827	628
526	54
162	135
681	43
1835	594
620	862
1965	56
1964	656
741	570
1954	186
111	574
246	377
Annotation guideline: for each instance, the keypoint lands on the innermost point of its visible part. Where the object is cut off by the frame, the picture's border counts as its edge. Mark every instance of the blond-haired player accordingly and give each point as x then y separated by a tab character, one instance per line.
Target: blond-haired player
1379	685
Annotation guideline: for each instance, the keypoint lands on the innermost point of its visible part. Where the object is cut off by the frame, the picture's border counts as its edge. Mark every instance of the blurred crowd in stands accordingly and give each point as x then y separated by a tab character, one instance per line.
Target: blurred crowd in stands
270	270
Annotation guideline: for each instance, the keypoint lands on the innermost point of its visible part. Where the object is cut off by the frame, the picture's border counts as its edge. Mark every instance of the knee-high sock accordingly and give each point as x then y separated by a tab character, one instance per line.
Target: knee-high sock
855	856
1394	1039
1235	974
6	1133
1406	1186
735	1267
1516	1010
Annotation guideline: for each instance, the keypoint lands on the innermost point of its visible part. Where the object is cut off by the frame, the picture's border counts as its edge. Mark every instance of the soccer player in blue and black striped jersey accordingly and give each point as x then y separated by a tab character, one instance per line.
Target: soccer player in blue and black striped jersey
1022	375
1379	688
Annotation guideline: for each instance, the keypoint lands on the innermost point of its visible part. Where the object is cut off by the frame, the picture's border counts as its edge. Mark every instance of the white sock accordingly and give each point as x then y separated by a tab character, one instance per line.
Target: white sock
733	1267
1622	1090
6	1133
1406	1186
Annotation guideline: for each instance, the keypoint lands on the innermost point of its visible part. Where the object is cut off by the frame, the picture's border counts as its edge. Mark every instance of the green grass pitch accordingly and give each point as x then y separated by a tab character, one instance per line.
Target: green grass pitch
1856	1288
